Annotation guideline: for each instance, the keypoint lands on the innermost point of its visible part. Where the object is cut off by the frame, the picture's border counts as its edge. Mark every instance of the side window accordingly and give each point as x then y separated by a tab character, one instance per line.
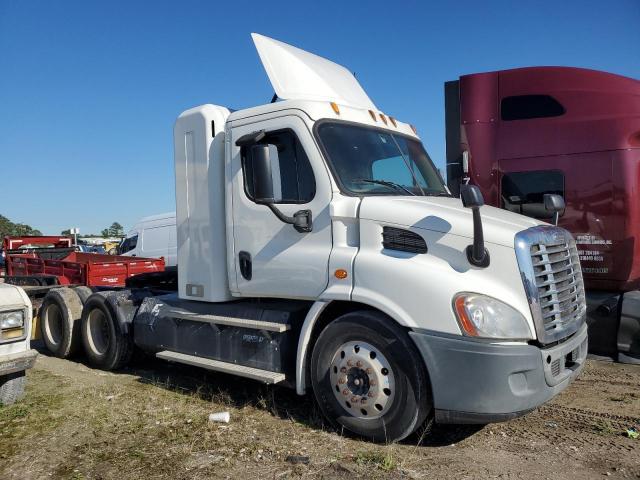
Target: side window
129	244
523	107
523	192
296	176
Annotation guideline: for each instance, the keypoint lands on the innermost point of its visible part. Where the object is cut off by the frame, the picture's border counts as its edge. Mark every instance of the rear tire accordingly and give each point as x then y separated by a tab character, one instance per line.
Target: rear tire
104	345
59	321
83	293
368	377
12	387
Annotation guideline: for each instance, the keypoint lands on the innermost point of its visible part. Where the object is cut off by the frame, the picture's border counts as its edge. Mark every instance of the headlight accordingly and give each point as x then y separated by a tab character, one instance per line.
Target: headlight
483	316
11	320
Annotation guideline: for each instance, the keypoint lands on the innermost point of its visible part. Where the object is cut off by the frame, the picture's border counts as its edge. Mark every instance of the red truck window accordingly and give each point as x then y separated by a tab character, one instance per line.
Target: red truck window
523	107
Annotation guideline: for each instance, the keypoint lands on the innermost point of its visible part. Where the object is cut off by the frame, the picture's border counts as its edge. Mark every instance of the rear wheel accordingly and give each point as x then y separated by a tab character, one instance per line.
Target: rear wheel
59	321
104	345
12	387
368	377
83	293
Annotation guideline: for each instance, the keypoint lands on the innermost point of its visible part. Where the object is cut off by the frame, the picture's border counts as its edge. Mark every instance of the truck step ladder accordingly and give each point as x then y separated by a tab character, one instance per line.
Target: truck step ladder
264	376
232	321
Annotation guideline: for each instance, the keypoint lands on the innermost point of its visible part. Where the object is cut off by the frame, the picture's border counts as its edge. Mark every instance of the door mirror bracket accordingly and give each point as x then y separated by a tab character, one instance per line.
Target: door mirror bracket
302	220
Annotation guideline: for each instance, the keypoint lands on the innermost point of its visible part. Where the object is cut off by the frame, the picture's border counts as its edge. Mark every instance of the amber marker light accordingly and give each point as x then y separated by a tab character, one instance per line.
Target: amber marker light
373	116
393	120
414	129
335	108
383	118
340	274
465	322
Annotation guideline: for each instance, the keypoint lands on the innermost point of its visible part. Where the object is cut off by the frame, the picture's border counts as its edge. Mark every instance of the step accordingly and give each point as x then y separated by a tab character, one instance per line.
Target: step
264	376
232	321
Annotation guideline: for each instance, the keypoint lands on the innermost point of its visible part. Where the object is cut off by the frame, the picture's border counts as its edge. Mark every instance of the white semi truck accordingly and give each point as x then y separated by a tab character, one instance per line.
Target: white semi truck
319	248
16	356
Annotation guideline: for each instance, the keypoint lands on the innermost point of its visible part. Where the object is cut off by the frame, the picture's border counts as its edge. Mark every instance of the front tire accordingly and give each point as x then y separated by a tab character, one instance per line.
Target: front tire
368	377
12	387
104	345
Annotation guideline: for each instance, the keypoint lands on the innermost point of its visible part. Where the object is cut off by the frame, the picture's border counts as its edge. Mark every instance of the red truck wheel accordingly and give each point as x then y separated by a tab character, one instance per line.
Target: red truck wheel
59	321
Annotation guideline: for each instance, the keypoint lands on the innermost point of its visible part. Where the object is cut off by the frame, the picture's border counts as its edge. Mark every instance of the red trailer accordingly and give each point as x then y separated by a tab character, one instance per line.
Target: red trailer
520	134
53	261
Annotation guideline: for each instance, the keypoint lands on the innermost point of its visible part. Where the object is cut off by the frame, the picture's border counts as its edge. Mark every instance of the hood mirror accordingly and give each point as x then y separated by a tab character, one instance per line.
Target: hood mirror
554	204
477	254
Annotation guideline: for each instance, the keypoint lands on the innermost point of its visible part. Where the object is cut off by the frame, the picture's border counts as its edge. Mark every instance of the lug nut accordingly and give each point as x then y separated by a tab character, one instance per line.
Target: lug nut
345	392
363	400
342	380
373	383
343	370
354	399
371	394
350	363
359	364
369	371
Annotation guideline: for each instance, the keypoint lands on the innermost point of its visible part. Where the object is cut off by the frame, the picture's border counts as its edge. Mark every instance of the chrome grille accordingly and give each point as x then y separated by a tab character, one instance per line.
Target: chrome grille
558	278
550	266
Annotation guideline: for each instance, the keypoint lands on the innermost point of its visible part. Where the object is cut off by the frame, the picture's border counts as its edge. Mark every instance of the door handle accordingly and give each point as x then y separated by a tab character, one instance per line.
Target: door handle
244	259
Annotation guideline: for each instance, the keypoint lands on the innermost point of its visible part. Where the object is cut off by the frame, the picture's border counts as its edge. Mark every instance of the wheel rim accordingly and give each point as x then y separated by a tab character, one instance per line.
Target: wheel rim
53	325
362	380
98	332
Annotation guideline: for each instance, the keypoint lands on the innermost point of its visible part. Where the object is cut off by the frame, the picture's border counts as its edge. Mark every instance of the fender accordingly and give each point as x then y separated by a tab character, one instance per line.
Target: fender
303	343
121	306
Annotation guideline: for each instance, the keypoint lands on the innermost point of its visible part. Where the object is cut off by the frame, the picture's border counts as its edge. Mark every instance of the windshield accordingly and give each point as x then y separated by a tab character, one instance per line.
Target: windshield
371	161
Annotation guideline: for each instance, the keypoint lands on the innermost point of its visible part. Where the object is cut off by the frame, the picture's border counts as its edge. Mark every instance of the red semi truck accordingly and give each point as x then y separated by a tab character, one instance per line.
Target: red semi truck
520	134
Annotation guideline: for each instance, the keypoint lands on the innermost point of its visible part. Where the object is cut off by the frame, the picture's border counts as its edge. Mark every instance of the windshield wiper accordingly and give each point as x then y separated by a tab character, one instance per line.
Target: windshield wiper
386	183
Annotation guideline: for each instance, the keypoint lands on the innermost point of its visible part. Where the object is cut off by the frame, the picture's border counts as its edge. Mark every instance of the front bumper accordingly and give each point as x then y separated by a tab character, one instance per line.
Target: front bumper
17	362
478	382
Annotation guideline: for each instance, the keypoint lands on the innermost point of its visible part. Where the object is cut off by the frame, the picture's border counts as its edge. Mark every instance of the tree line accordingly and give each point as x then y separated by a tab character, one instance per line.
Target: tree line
7	227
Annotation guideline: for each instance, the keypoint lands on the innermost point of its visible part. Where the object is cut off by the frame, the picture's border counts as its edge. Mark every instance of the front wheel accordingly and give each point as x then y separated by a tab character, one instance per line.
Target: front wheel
369	378
12	387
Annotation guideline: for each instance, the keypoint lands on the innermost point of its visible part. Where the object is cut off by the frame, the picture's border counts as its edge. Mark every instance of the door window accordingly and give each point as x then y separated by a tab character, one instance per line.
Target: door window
129	244
296	175
523	192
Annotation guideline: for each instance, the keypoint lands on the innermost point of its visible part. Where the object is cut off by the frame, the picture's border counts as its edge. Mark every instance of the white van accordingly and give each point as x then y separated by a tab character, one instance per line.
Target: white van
153	237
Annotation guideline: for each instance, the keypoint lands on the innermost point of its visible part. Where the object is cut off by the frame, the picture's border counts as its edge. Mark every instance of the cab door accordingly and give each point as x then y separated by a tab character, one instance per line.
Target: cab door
272	258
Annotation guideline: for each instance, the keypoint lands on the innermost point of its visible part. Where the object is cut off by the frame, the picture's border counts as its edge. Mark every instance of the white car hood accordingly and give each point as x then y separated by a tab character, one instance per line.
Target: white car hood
445	215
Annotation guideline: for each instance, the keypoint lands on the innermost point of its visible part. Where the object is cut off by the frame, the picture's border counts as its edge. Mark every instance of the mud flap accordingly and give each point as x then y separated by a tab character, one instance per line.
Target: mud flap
629	329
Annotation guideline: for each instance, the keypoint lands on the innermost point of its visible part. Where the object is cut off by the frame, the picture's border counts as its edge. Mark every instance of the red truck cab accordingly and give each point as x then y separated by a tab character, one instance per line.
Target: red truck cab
519	134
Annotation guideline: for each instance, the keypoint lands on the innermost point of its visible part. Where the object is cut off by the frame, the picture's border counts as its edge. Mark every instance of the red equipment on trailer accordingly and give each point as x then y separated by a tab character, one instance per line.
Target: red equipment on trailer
53	261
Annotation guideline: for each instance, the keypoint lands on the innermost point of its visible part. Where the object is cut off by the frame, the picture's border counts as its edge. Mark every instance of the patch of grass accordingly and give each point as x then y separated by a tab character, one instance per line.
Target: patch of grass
383	461
605	428
12	412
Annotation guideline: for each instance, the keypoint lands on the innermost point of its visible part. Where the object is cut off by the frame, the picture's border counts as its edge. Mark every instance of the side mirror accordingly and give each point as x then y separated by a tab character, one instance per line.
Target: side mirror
477	254
554	204
264	166
471	196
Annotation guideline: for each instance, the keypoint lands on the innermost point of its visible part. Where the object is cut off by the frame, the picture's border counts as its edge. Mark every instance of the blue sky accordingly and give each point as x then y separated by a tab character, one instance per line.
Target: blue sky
89	90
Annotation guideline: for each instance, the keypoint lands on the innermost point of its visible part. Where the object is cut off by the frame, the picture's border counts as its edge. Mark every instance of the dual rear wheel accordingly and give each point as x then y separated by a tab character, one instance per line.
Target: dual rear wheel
74	319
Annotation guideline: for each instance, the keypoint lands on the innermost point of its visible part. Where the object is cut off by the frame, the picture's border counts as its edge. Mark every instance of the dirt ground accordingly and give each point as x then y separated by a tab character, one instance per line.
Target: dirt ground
151	421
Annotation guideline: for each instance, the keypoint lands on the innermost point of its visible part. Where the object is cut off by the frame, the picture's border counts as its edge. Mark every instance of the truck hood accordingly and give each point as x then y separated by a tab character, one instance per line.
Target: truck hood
299	75
445	215
10	296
